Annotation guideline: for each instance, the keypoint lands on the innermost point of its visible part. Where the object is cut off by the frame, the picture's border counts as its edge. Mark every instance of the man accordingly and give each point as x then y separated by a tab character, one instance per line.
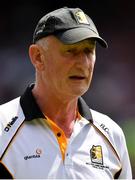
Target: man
49	132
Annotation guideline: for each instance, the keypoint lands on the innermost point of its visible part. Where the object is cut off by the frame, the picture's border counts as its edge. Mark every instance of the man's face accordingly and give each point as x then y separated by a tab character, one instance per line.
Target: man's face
68	69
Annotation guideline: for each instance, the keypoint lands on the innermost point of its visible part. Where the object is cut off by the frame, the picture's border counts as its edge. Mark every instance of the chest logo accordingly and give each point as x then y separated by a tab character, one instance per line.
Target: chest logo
96	155
35	155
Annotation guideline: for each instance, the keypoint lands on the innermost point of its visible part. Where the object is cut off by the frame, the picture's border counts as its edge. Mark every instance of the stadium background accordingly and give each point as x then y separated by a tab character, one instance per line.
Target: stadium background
113	87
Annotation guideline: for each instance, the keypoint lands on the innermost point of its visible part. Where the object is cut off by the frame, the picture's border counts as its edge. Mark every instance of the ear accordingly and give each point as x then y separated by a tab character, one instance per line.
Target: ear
36	57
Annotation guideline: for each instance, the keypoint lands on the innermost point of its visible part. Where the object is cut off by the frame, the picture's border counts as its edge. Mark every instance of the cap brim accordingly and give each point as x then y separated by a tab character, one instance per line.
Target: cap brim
75	35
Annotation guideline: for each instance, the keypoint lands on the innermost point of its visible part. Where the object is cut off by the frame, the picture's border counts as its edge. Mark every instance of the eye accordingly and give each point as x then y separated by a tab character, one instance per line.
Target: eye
71	51
89	51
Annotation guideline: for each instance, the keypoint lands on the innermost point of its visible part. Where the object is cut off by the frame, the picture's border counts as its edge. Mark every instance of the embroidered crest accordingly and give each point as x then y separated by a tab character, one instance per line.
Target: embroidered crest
96	155
81	17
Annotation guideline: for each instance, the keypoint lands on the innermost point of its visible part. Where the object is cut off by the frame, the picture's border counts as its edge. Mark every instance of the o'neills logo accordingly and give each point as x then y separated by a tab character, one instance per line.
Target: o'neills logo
7	128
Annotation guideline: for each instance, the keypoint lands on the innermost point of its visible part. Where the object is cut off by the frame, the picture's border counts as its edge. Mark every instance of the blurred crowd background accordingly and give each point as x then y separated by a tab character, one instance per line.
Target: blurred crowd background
113	87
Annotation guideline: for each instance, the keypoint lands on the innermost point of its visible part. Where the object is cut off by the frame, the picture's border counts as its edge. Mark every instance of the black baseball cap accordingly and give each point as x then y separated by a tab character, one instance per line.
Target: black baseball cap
69	25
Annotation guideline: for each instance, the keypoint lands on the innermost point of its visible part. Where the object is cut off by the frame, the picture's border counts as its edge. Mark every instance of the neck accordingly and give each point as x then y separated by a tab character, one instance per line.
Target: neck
62	112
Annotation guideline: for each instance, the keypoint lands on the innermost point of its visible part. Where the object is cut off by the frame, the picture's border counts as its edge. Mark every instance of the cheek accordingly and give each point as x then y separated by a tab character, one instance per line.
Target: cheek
93	61
91	65
53	70
91	69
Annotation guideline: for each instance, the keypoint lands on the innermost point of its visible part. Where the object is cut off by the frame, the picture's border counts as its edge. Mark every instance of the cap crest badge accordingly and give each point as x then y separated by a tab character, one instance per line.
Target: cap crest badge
81	18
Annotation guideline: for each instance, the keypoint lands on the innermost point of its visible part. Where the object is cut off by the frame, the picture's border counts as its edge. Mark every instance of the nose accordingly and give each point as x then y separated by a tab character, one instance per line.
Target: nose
84	59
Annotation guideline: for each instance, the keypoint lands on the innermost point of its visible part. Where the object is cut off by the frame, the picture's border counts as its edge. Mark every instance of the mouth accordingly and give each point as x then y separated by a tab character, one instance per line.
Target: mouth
76	77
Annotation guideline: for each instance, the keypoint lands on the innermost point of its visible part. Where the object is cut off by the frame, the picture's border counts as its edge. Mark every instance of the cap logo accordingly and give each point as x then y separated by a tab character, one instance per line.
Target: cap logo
80	16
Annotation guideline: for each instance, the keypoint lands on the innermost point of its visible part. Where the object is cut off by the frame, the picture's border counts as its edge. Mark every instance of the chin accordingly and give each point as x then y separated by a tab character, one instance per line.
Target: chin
80	91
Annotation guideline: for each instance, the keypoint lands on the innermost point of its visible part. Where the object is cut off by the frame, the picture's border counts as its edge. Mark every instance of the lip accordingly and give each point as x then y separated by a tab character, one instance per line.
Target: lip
77	77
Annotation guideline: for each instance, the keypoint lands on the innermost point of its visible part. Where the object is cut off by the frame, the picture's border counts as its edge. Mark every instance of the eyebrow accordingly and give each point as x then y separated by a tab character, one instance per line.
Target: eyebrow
79	45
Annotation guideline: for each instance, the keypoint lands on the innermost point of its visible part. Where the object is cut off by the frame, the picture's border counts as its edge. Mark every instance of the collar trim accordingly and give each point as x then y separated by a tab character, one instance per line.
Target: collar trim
31	109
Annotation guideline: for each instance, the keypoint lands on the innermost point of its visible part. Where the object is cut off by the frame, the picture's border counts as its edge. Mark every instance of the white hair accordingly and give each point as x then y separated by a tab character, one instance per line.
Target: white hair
43	43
